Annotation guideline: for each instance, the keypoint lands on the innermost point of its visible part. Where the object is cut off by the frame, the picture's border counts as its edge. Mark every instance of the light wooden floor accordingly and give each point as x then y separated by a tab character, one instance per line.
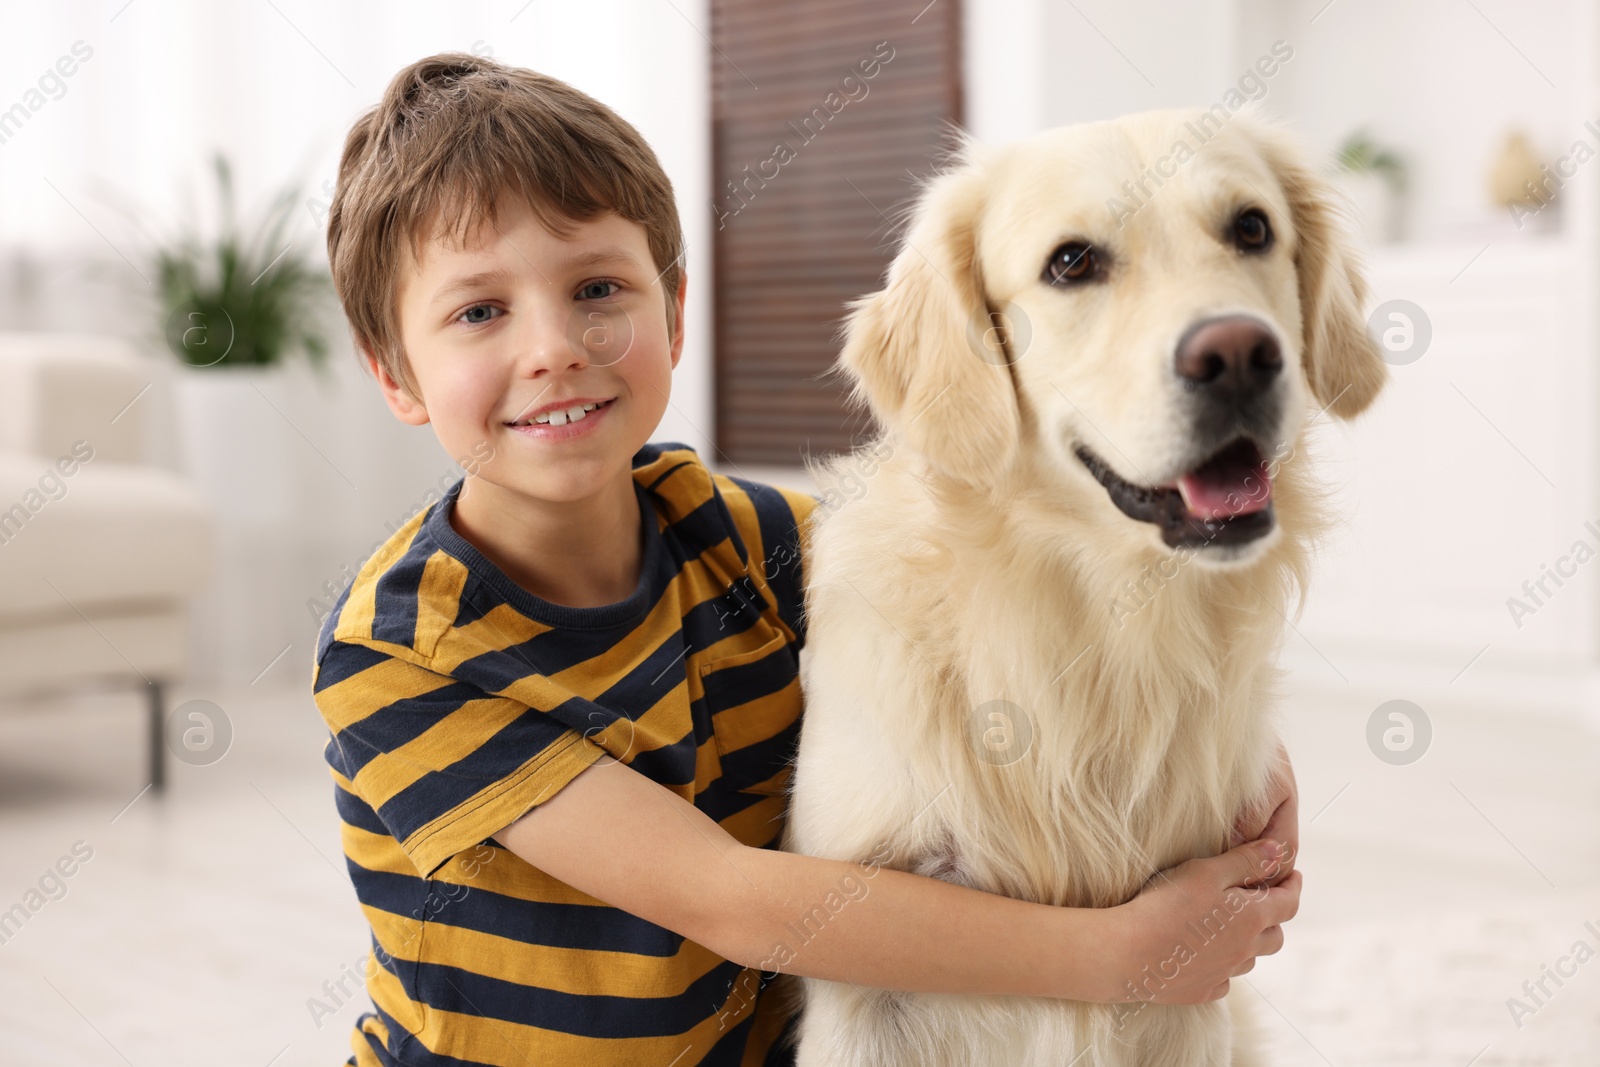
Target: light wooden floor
206	920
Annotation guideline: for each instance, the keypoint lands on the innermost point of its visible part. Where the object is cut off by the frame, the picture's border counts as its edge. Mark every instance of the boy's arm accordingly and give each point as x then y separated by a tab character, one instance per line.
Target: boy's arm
622	838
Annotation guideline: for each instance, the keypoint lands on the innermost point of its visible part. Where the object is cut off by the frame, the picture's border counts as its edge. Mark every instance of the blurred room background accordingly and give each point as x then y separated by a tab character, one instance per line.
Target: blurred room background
187	564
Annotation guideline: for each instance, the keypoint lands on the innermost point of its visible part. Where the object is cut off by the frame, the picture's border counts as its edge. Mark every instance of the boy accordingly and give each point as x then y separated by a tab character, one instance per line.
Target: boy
563	700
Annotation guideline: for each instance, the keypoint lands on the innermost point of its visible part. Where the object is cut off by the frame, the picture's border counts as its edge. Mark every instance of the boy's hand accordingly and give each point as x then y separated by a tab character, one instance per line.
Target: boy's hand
1196	925
1275	815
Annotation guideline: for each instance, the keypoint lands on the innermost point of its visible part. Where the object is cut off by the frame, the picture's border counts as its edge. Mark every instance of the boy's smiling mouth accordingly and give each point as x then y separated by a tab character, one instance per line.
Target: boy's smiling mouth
563	419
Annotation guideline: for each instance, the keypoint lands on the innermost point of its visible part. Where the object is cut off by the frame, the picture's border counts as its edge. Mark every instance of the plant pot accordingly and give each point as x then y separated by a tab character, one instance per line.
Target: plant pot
232	426
235	442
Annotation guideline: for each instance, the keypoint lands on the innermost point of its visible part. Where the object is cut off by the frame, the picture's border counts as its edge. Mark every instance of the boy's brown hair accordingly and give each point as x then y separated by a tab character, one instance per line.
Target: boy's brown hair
452	133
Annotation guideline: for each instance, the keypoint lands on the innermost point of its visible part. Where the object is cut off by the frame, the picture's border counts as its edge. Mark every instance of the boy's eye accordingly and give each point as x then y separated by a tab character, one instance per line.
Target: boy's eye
478	307
597	290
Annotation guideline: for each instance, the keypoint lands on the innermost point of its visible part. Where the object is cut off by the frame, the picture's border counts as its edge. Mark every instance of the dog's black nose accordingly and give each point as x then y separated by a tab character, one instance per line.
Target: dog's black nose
1231	358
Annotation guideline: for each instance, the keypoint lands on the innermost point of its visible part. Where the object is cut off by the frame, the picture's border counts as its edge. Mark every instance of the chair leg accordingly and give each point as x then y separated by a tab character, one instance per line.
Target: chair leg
157	740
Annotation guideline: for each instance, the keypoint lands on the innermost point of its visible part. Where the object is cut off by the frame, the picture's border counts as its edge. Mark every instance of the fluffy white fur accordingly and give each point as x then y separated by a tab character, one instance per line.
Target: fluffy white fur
981	561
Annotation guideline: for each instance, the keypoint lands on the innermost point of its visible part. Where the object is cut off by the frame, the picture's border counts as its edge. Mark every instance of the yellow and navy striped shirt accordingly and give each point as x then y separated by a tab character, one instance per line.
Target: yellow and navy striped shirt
456	701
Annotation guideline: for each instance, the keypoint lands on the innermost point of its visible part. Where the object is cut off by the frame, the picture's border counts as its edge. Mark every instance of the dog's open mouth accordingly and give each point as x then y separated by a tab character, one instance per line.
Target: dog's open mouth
1227	500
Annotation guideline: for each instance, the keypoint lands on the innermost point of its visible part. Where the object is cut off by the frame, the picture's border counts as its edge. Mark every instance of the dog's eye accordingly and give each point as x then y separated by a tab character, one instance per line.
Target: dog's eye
1071	263
1251	231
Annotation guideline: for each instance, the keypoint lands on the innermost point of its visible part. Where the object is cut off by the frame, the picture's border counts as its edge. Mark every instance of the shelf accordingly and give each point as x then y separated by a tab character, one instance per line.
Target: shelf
1488	254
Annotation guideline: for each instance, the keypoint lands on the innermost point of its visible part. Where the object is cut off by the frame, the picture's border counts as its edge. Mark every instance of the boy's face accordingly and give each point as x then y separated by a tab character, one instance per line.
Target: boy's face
578	319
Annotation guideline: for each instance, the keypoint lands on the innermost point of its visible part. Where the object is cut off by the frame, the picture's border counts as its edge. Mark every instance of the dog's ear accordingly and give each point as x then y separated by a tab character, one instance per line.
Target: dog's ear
1342	362
925	351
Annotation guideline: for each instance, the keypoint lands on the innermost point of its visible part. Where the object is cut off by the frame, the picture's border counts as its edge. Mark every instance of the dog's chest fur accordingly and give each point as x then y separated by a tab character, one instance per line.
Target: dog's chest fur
1079	820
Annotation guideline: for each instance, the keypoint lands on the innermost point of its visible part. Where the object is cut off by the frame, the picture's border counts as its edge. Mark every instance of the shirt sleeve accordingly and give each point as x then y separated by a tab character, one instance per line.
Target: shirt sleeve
442	763
783	517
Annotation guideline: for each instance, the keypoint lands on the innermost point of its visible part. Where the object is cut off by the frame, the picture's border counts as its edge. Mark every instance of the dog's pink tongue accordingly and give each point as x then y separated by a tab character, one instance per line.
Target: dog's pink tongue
1228	485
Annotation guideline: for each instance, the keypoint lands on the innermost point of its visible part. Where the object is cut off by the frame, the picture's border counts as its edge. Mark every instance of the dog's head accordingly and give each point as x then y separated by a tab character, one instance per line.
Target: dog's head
1153	306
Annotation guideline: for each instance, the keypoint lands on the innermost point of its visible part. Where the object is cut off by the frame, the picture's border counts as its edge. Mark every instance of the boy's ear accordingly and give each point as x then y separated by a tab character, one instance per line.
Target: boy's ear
677	321
406	408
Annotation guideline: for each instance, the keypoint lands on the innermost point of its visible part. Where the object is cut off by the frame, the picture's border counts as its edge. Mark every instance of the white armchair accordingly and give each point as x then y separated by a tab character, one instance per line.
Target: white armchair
99	549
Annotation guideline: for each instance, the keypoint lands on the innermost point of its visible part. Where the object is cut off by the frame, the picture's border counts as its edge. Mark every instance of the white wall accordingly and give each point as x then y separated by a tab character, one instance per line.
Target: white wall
1033	64
1442	79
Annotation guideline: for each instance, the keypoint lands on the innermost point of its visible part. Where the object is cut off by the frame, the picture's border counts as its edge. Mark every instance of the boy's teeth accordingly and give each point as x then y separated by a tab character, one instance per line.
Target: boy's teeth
561	417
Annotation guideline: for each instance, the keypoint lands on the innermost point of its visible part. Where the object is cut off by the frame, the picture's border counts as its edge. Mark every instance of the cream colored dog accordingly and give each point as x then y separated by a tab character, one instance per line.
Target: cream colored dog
1042	630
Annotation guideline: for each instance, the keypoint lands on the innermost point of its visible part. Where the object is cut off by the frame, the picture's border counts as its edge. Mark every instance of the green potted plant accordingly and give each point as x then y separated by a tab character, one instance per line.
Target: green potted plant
236	314
1374	178
242	309
242	299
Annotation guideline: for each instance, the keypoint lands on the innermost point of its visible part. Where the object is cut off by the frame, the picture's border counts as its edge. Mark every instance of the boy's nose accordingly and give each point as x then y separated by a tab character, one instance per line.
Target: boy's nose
552	341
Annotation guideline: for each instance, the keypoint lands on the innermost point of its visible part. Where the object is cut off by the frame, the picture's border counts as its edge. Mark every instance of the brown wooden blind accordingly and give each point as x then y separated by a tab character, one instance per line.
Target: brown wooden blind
822	113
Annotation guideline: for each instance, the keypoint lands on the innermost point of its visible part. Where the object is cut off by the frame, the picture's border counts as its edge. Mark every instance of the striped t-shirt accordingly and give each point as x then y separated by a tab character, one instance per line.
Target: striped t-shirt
456	701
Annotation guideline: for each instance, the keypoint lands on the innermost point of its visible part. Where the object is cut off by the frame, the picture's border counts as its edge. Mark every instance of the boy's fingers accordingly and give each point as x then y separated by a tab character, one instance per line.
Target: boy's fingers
1251	863
1268	941
1283	900
1280	872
